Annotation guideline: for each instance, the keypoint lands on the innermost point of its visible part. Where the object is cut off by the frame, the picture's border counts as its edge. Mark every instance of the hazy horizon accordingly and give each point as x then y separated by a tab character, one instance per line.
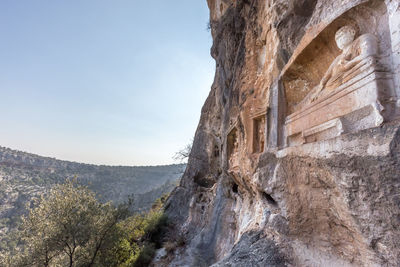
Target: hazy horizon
100	82
106	165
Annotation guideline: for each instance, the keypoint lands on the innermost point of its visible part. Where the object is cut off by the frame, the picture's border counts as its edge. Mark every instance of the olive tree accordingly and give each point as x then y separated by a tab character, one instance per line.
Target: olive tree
67	227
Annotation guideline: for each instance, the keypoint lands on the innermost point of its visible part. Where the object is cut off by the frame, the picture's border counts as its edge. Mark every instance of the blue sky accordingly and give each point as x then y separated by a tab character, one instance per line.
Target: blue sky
117	82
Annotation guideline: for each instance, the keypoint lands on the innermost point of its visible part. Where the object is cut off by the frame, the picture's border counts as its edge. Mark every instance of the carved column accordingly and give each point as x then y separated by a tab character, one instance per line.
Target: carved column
276	117
393	8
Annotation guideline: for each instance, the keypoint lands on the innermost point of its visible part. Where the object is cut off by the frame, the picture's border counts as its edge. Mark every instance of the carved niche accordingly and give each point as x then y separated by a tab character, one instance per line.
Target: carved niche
258	133
341	81
233	148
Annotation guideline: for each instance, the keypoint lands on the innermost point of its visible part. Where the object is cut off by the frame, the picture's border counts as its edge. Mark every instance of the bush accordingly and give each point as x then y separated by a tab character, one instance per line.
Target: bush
141	235
170	246
145	256
174	241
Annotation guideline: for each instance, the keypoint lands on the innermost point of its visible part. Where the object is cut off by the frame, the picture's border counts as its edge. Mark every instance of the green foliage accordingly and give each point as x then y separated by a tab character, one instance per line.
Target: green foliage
146	255
141	235
69	227
26	176
126	253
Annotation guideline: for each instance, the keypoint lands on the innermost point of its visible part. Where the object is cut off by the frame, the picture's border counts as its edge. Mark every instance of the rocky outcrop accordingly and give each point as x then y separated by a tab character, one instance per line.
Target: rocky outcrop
296	160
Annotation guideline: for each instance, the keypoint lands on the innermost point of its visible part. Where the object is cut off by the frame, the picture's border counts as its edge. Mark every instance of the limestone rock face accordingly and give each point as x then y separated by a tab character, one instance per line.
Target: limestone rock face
296	160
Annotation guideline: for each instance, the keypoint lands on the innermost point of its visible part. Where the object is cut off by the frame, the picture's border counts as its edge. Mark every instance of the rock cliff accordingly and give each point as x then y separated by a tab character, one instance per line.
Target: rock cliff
296	159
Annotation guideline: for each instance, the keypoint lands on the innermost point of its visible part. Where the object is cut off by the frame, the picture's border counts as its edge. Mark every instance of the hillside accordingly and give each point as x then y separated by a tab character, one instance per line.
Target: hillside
24	176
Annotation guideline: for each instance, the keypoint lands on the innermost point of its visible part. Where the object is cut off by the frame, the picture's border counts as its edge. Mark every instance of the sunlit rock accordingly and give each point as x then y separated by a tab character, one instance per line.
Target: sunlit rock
299	139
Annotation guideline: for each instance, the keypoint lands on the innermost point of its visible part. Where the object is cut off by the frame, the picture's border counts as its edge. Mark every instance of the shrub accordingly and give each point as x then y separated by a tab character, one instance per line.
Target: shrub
141	235
145	256
170	246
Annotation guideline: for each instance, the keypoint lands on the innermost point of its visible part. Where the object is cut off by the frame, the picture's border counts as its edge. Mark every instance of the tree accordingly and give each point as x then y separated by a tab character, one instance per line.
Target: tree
183	154
68	227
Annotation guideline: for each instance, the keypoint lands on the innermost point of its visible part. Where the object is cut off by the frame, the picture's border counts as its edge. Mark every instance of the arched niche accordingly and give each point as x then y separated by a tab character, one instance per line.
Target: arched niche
232	140
361	97
308	65
258	133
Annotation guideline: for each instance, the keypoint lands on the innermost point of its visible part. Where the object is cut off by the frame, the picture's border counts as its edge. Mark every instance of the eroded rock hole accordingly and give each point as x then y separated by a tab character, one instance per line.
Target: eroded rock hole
203	181
216	151
235	188
269	199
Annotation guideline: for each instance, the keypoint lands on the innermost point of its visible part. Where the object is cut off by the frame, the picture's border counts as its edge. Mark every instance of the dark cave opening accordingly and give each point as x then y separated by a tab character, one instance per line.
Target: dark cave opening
235	188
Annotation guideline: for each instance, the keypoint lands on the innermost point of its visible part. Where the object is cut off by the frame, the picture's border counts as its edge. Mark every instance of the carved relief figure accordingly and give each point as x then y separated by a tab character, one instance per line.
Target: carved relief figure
234	157
233	148
259	135
348	64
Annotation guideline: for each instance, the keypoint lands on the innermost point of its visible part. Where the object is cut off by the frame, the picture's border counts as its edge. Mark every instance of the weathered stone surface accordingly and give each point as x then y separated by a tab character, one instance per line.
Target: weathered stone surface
322	192
254	250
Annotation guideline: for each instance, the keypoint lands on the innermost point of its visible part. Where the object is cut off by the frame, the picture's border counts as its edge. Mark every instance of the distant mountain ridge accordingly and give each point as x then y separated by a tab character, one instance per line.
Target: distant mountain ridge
24	176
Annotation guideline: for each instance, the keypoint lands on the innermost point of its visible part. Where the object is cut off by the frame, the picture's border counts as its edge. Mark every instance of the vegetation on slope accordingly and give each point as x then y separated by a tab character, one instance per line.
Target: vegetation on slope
70	227
25	176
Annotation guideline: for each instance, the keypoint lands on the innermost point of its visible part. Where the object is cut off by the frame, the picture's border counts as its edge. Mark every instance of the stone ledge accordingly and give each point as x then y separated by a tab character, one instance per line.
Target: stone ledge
373	142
